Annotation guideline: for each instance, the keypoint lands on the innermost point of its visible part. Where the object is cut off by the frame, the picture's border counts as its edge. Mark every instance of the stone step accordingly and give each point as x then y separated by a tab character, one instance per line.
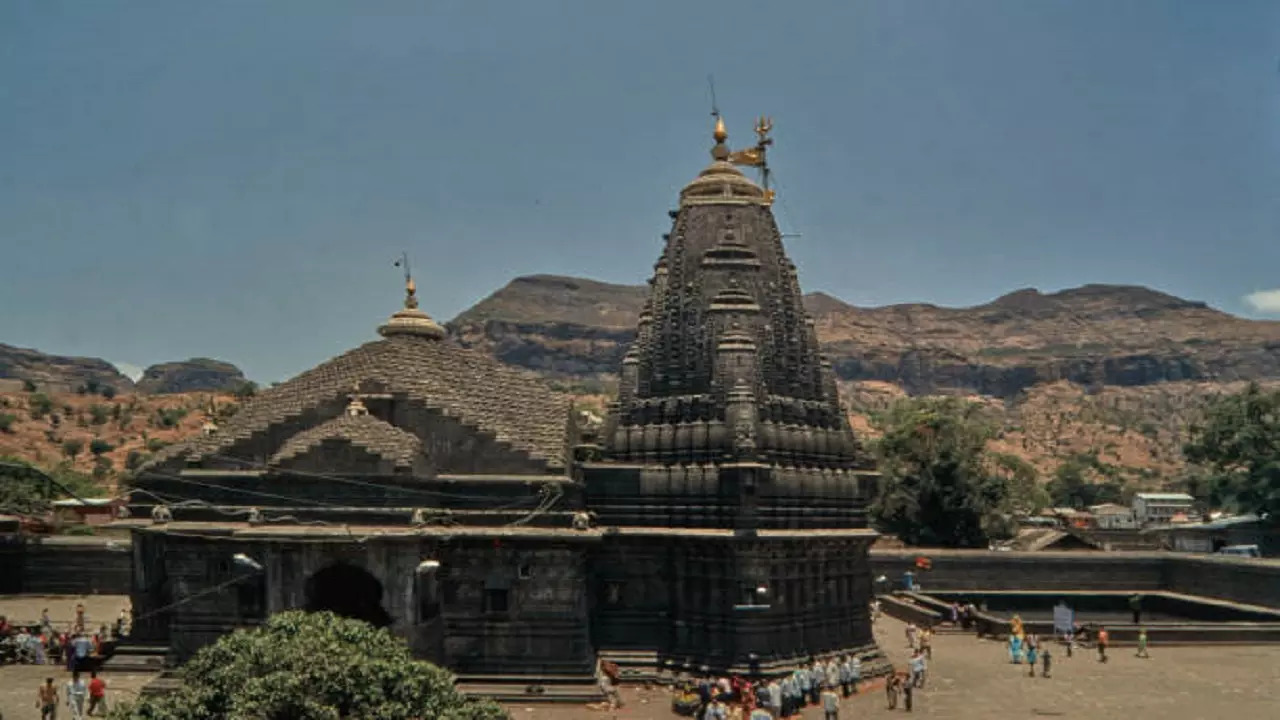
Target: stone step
533	692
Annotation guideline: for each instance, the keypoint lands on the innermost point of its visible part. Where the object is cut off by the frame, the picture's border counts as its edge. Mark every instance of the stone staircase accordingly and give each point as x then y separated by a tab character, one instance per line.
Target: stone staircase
137	658
532	688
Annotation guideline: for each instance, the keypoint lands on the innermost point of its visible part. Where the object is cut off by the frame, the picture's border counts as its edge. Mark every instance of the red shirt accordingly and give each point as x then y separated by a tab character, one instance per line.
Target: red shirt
97	688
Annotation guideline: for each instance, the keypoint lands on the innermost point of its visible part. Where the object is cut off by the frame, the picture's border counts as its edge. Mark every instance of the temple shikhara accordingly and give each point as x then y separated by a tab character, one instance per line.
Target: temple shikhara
715	517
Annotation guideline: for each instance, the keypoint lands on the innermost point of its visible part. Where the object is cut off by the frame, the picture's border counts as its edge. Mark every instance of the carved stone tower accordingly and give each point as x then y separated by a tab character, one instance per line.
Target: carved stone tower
725	386
728	479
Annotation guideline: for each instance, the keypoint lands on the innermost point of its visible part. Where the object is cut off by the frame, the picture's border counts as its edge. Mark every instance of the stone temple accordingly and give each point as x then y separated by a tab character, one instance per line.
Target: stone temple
715	518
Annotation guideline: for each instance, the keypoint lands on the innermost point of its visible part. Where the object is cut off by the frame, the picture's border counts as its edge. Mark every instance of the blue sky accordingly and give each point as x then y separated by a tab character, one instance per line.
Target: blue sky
235	179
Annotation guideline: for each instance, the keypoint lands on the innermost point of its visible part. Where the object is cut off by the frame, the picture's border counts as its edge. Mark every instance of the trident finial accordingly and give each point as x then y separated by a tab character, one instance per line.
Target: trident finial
410	289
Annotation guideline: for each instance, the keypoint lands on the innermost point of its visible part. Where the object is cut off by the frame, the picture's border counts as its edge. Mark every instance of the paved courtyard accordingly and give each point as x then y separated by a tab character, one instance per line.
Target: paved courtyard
970	679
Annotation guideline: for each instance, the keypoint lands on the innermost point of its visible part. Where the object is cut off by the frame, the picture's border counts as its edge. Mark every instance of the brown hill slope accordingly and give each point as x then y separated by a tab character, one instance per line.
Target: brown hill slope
51	428
1093	335
58	373
1112	371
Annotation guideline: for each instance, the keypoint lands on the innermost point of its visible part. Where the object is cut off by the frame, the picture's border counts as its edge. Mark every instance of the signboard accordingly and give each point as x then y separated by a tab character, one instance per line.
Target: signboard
1063	619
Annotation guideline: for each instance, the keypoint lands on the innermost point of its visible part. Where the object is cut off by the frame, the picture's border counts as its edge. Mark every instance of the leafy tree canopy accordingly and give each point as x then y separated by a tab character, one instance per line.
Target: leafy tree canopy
1238	443
1082	480
940	485
26	490
311	666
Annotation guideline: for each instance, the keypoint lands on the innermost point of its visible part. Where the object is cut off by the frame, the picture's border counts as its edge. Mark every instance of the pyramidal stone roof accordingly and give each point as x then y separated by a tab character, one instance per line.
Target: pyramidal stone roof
416	361
364	431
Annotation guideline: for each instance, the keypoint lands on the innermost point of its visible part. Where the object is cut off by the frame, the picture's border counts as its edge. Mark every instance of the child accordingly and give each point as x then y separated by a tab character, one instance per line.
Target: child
1046	663
1031	659
1142	643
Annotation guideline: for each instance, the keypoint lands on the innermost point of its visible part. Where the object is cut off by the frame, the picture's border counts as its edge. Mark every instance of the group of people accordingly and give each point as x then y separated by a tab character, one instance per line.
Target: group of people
1028	646
83	699
821	683
76	646
41	643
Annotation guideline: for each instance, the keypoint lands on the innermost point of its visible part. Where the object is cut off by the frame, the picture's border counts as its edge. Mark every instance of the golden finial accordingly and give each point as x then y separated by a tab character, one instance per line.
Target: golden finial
763	125
721	134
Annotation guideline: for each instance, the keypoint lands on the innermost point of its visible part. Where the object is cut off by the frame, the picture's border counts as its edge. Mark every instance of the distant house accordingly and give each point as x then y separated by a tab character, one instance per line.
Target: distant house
1209	537
1160	508
1110	516
91	511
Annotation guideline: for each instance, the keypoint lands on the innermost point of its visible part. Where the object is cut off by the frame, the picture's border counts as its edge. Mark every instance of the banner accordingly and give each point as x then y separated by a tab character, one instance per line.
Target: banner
1063	619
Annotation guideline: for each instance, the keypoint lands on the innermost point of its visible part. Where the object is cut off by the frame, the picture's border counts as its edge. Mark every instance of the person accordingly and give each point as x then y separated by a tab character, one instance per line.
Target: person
892	686
47	700
77	694
716	710
1135	605
855	673
46	624
760	714
917	668
1031	656
80	618
908	695
98	694
831	673
926	642
1142	643
846	675
1104	638
1045	657
1015	649
817	676
953	613
82	649
830	703
774	693
788	689
912	632
122	624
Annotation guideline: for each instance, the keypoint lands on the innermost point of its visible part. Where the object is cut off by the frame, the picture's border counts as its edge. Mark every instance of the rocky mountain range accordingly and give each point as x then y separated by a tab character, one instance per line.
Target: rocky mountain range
23	367
1111	373
1095	335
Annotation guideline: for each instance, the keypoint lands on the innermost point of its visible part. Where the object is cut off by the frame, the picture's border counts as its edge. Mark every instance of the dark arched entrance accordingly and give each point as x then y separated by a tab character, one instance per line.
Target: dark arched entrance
348	591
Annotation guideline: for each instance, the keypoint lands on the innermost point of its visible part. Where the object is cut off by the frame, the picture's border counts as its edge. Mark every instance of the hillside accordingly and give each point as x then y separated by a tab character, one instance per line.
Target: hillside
1116	372
53	428
194	375
58	373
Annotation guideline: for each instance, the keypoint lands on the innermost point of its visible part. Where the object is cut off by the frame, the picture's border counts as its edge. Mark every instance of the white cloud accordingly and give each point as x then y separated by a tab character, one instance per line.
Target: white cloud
129	370
1264	301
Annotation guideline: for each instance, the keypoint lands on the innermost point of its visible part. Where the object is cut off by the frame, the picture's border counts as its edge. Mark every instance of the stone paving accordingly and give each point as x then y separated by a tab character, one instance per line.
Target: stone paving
970	679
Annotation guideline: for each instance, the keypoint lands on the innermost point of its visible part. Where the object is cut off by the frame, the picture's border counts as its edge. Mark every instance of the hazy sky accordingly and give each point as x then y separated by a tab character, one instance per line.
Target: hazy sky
235	179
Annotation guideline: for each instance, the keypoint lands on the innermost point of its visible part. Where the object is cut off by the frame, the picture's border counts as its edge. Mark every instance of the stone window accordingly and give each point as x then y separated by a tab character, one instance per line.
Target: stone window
525	571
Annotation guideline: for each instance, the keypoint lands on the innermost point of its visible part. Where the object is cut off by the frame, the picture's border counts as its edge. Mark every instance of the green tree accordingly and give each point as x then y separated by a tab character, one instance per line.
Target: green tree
1238	444
1082	480
246	389
28	386
71	448
1026	496
938	488
6	422
98	446
40	405
311	666
99	414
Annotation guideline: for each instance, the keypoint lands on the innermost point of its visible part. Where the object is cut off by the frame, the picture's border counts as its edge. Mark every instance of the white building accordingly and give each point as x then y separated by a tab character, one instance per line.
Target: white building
1159	508
1110	516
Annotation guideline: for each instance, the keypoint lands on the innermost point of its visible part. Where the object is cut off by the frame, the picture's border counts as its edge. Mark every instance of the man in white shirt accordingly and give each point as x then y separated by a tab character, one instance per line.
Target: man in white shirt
77	696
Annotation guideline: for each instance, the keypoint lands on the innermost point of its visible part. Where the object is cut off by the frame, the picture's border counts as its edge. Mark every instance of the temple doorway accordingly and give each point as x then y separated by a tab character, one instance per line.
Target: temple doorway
348	591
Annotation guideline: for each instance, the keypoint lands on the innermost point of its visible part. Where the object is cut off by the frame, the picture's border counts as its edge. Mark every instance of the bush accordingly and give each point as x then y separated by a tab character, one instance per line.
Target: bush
71	448
40	405
134	460
98	446
99	414
28	386
6	422
308	666
156	445
108	391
